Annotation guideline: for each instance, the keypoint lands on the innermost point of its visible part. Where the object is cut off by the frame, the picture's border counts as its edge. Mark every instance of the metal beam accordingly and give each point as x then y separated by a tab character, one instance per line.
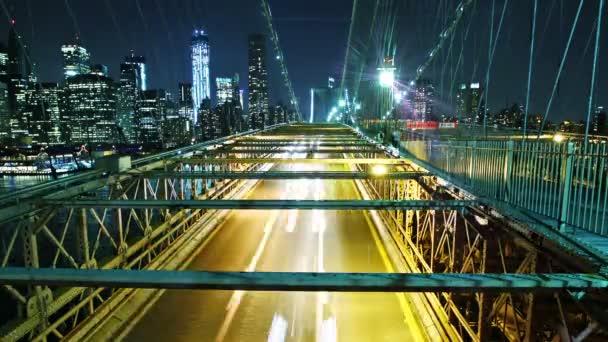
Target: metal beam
285	150
264	204
282	175
292	143
303	281
375	161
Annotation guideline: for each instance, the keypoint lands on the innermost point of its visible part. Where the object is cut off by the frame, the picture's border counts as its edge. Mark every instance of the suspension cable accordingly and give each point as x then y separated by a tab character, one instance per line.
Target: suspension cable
274	37
595	61
561	67
530	66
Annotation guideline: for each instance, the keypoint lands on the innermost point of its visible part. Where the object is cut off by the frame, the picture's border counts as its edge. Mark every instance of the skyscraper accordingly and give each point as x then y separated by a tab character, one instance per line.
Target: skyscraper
184	101
127	102
423	100
208	121
76	60
257	81
5	115
42	112
3	63
140	66
468	103
225	91
18	75
201	82
88	111
151	110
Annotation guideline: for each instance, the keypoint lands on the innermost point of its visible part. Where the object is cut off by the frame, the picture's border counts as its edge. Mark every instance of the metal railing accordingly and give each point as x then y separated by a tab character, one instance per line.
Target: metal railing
565	182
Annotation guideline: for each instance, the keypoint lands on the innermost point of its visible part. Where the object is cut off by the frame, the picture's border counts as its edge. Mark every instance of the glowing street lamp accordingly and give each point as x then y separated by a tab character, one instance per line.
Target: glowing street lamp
342	103
387	77
357	106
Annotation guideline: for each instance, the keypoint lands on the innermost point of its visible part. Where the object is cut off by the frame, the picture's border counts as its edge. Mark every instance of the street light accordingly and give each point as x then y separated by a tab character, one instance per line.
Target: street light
357	106
387	77
342	103
558	138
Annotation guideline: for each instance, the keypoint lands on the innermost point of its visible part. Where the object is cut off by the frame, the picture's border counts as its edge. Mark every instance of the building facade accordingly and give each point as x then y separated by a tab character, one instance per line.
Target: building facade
469	106
127	95
257	81
151	110
88	110
201	82
76	60
139	64
422	102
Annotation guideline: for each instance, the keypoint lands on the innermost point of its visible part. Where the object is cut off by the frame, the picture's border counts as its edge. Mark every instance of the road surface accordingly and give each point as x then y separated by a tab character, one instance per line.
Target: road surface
280	240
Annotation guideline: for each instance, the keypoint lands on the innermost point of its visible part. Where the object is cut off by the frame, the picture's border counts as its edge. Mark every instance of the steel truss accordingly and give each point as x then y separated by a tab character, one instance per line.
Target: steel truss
470	242
95	224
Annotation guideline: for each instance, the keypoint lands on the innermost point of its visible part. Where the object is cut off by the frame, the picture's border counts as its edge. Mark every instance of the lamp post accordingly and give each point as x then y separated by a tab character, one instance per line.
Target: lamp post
386	80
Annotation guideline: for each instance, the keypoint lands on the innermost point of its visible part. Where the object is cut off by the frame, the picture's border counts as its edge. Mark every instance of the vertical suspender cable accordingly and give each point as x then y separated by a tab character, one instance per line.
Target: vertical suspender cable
561	67
595	61
530	66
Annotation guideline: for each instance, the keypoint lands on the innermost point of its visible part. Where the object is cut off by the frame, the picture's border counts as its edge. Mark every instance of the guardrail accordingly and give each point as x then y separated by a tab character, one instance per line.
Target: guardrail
563	181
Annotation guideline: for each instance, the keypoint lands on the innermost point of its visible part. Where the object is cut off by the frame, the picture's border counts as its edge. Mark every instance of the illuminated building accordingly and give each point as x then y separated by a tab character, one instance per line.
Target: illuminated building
257	81
423	100
225	92
42	112
184	102
127	95
140	66
201	83
151	110
208	121
5	115
88	111
75	60
468	103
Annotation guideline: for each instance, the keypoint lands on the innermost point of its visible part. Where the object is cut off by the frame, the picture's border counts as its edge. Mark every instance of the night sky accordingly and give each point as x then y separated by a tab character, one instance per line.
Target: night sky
313	36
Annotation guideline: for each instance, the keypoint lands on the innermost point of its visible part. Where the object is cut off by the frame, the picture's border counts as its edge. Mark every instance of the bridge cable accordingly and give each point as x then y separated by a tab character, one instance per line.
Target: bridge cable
594	68
348	45
561	67
275	40
530	66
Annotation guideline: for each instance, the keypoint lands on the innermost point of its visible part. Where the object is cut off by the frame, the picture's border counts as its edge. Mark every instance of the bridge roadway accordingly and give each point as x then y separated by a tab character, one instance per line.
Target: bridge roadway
292	240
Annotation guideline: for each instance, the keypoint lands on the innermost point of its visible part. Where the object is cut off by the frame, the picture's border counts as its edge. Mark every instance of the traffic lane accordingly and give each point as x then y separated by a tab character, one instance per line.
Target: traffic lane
190	315
322	241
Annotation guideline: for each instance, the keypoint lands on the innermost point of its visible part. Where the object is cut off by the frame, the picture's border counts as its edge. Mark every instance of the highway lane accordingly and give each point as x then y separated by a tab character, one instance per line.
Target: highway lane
319	241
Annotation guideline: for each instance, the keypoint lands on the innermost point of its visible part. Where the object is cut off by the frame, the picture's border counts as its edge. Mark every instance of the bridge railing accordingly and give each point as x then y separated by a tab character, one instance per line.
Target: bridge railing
564	182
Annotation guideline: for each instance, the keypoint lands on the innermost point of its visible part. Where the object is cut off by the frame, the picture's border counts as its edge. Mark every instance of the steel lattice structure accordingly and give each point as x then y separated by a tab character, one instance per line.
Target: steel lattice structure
74	250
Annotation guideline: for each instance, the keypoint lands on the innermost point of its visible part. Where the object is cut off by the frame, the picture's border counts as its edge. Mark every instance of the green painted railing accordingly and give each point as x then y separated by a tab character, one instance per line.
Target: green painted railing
566	182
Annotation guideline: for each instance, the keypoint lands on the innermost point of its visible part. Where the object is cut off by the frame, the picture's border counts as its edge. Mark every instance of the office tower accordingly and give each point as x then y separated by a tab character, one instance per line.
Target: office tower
237	93
76	60
126	108
3	63
18	74
201	82
230	118
208	121
88	111
140	66
322	100
42	112
469	107
151	110
184	102
257	81
599	123
225	91
5	115
423	100
176	129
